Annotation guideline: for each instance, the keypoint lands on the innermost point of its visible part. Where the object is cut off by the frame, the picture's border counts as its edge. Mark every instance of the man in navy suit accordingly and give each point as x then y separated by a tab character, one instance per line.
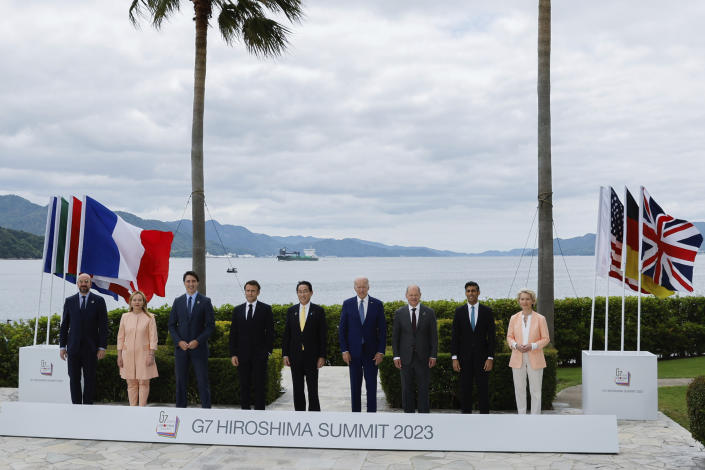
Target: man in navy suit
363	337
83	338
304	346
191	322
251	338
472	348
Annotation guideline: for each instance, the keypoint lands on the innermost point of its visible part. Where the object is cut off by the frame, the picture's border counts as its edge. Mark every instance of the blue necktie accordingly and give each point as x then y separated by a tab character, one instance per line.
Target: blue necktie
472	317
83	302
362	316
189	306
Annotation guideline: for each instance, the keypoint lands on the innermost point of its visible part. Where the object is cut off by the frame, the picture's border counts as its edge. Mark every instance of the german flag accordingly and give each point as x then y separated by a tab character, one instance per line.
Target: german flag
648	286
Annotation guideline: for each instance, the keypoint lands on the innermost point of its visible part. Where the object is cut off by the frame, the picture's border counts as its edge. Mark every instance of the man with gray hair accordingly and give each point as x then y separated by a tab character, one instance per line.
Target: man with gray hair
415	347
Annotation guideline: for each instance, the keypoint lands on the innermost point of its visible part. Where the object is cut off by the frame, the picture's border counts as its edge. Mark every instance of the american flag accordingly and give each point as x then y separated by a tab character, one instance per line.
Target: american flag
669	247
617	222
616	235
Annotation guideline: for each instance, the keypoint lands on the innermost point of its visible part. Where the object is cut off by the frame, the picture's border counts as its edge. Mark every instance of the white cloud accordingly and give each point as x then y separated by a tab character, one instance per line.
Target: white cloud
406	123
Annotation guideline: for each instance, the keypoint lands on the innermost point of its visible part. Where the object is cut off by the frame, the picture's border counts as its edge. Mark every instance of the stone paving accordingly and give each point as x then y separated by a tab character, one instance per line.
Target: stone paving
643	444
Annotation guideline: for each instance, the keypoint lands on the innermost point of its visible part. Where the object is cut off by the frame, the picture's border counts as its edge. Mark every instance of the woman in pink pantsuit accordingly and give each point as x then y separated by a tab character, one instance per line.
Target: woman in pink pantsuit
527	335
136	345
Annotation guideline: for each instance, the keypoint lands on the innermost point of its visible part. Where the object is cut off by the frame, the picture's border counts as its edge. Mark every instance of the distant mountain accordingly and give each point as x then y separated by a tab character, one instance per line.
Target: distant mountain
576	246
18	213
15	244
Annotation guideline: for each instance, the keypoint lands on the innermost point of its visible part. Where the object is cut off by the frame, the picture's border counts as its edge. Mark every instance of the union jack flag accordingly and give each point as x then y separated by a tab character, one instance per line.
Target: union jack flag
668	247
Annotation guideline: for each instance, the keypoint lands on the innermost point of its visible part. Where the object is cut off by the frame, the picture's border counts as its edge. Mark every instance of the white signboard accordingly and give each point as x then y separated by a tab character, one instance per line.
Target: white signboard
43	375
439	431
622	383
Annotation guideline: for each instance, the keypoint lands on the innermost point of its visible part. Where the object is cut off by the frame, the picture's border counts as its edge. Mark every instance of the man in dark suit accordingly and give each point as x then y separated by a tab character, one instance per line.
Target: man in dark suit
191	322
472	348
415	348
304	346
83	338
363	337
251	338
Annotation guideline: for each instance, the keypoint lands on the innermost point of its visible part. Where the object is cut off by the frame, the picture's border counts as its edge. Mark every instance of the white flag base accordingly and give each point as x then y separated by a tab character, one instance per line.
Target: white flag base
621	383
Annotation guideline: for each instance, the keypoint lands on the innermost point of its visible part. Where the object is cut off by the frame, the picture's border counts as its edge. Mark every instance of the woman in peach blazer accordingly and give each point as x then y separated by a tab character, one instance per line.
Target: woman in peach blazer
527	334
136	345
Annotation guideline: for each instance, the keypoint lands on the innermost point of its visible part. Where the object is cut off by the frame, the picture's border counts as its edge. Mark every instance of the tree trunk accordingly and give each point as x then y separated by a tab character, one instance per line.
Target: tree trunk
545	190
202	11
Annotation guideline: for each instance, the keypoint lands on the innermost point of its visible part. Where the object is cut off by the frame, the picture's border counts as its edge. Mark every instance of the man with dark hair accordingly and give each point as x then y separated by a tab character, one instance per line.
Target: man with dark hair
472	348
304	346
83	338
251	340
191	323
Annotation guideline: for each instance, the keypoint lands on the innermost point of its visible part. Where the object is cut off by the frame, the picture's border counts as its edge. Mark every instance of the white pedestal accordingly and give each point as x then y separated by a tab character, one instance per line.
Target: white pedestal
326	430
43	376
621	383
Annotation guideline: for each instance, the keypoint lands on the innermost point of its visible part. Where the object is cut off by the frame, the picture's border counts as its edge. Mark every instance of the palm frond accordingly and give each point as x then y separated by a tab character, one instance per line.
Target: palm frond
264	37
158	10
290	8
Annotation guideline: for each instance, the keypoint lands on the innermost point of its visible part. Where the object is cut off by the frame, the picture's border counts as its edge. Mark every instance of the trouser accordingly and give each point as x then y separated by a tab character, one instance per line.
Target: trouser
137	391
253	374
199	358
359	368
415	375
535	378
300	370
84	363
472	371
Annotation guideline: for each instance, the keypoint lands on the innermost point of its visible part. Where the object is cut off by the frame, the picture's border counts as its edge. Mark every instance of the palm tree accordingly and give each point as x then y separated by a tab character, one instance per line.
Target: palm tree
238	20
545	191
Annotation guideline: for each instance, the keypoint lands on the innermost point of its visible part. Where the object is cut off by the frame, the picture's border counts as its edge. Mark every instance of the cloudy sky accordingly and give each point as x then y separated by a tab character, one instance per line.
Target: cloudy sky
403	122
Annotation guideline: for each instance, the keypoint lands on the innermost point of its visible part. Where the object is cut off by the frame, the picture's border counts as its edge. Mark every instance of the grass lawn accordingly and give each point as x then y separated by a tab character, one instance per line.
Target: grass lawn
671	401
668	369
680	368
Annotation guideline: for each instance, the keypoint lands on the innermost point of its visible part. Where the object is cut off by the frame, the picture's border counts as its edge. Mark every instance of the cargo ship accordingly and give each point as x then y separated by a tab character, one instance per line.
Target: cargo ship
309	255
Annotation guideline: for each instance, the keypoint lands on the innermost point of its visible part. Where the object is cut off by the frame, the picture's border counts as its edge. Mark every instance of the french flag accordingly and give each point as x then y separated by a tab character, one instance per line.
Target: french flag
126	257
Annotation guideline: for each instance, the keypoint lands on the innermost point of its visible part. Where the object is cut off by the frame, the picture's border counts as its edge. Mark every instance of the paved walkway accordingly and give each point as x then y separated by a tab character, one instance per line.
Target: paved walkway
643	444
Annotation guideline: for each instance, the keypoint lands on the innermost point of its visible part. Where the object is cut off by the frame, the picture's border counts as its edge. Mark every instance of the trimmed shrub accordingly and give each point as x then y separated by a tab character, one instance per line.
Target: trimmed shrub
444	389
223	378
673	327
695	399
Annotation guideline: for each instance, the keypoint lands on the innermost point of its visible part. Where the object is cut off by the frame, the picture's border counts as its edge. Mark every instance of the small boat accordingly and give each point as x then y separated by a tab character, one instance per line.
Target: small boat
309	255
232	270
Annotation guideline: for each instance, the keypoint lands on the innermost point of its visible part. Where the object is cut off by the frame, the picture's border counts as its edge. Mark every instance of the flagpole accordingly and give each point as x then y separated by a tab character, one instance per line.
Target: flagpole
67	251
41	279
621	347
607	311
623	264
57	225
594	286
638	305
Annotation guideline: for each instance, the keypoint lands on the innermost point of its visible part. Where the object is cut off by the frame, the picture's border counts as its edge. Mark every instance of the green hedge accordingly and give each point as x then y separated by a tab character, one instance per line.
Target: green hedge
223	377
673	327
695	399
445	387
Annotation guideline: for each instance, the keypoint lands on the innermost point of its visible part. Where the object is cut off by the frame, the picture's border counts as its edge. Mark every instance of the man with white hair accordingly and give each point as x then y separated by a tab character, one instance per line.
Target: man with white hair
363	338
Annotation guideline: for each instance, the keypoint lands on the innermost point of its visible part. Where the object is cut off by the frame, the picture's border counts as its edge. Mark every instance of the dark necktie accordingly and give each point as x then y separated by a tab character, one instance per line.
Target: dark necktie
249	313
190	305
413	319
472	317
83	302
